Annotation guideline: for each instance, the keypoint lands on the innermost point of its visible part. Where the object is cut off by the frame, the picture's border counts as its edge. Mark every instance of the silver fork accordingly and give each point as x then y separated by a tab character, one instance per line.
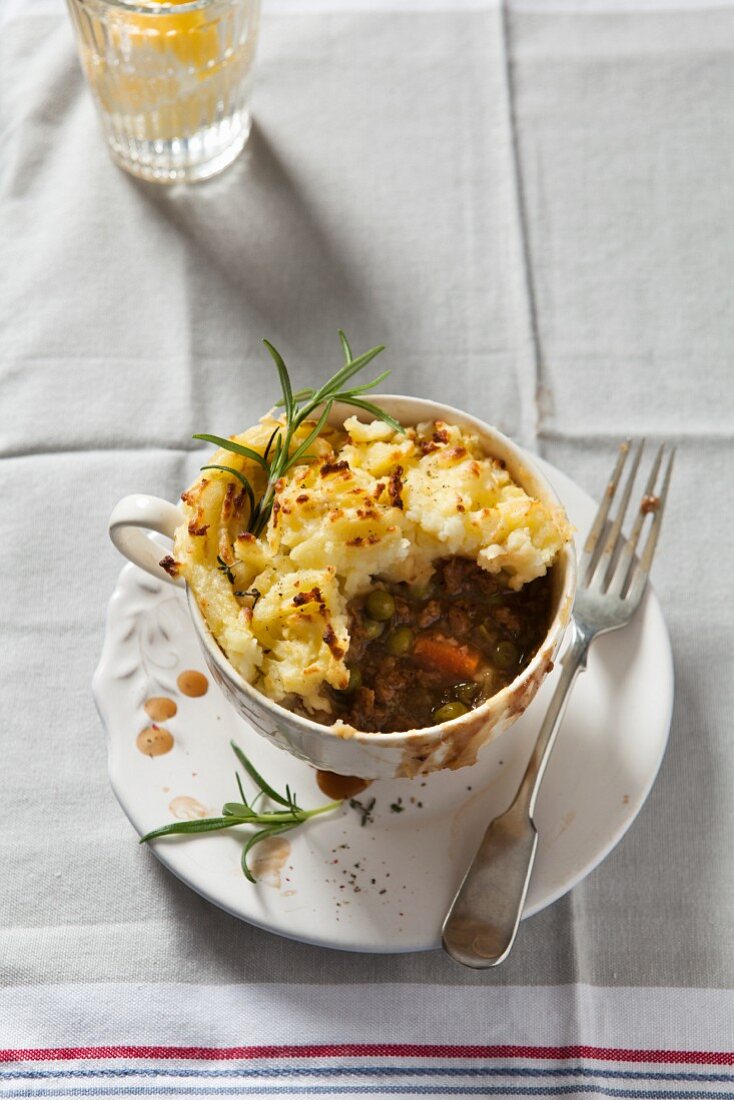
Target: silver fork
482	922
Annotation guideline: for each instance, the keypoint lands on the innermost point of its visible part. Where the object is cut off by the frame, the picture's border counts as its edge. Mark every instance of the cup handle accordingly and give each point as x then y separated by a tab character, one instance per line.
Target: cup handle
131	518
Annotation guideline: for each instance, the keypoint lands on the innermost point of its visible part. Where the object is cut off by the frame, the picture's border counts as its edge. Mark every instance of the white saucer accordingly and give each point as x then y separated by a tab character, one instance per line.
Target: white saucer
384	886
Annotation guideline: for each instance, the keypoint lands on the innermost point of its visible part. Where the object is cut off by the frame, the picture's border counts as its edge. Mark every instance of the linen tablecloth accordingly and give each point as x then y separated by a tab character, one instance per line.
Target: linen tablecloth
533	208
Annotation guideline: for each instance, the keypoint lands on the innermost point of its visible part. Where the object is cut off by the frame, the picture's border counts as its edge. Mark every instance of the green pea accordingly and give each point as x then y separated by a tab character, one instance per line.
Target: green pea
355	681
466	693
454	709
372	629
505	655
487	631
380	605
400	641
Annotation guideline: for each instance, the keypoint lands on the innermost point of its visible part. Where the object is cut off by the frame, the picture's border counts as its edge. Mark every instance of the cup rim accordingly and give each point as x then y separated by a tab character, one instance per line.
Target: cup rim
156	8
433	410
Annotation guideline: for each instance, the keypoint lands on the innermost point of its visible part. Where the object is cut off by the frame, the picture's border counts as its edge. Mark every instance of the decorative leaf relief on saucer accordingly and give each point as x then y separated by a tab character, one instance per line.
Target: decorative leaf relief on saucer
148	633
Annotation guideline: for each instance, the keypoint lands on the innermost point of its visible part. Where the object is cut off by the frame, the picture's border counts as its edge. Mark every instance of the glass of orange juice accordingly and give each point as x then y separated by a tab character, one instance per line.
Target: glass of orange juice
171	81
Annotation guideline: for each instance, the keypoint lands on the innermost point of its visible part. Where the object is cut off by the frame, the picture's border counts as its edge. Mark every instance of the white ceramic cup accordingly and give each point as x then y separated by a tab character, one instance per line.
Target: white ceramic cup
369	755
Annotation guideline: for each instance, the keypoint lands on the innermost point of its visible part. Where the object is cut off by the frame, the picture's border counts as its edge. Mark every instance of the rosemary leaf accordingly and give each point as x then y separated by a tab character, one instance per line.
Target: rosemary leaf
241	789
256	777
236	448
301	395
264	834
330	388
300	451
239	810
270	441
285	380
345	346
240	477
199	825
378	413
367	386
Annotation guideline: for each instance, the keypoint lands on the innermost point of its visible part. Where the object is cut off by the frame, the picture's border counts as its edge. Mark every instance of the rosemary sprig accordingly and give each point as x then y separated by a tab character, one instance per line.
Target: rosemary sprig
274	822
225	568
281	453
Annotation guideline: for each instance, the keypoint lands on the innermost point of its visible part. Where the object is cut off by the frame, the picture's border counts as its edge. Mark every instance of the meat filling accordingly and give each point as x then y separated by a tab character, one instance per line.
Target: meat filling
421	656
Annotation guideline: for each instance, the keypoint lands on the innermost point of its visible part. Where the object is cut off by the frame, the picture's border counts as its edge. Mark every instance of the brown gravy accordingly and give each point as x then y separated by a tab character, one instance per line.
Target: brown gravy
160	707
340	786
192	683
154	741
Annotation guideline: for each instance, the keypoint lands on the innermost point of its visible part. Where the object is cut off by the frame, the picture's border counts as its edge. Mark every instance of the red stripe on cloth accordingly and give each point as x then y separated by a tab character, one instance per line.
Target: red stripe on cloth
369	1050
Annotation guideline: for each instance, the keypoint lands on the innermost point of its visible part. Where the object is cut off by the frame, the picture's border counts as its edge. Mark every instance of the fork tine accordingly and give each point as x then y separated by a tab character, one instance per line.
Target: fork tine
609	553
640	573
591	546
622	570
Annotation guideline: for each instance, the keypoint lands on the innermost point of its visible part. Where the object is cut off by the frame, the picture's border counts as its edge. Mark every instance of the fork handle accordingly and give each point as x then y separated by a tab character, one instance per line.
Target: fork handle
482	922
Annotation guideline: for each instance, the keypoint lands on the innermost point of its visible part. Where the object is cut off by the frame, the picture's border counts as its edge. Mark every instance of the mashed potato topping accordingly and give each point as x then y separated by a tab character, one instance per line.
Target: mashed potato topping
370	502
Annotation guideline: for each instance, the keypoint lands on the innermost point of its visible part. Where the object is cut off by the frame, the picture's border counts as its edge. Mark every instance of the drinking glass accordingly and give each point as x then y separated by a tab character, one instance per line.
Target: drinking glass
171	81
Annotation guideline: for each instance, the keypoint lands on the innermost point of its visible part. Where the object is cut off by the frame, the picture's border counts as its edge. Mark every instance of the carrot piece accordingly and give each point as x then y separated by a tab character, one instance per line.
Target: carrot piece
454	660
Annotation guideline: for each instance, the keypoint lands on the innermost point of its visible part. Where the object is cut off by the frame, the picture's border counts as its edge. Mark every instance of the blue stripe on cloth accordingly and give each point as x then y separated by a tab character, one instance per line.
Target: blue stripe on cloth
366	1071
386	1089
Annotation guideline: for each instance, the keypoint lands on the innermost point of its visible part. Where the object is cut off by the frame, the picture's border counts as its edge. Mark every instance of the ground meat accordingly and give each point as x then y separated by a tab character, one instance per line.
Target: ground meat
429	614
452	572
509	618
392	682
364	713
404	611
460	622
